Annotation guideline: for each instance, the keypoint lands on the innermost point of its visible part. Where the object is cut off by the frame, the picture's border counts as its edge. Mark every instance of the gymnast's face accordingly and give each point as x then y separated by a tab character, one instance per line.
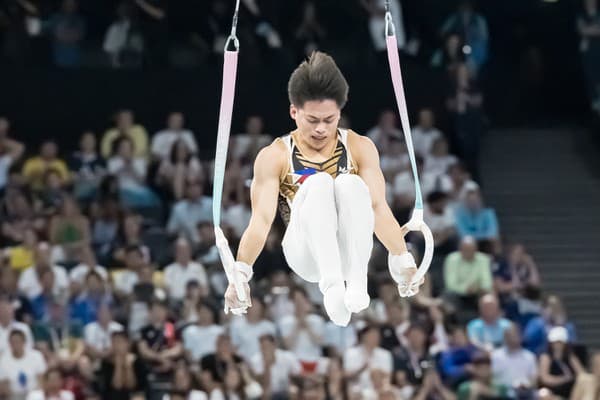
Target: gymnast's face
317	122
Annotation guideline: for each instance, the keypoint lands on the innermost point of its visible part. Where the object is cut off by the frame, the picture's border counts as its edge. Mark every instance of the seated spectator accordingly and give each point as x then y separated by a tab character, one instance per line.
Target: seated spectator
559	365
387	295
395	326
513	366
159	346
433	387
200	338
194	294
394	158
362	360
183	385
163	142
274	368
21	257
488	331
21	367
85	306
49	198
456	363
8	323
461	182
126	280
214	366
424	134
237	215
87	167
29	281
123	41
67	28
385	129
52	387
467	272
439	159
18	215
482	385
233	386
337	339
40	305
451	56
183	270
125	127
35	168
97	334
247	329
9	288
122	373
517	272
70	229
87	264
206	251
105	229
587	384
302	332
130	171
309	34
10	152
536	332
476	220
188	213
440	218
414	357
178	168
130	234
246	145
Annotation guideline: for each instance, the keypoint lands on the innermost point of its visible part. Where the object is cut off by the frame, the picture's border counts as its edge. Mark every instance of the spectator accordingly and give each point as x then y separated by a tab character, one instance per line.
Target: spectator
384	130
97	334
21	367
200	338
302	332
183	270
29	281
123	41
274	368
180	167
467	272
21	257
159	346
18	217
194	294
394	158
35	168
310	33
9	324
188	213
488	331
49	198
85	306
476	220
588	26
482	385
123	372
40	305
68	30
424	134
376	10
15	42
472	27
21	305
105	229
130	235
164	141
69	229
87	166
214	366
183	385
362	360
559	365
586	386
387	296
125	127
537	330
433	388
518	272
10	152
440	219
52	387
87	264
512	365
246	330
413	358
154	26
232	387
451	56
461	183
439	160
395	327
125	281
237	216
337	339
456	363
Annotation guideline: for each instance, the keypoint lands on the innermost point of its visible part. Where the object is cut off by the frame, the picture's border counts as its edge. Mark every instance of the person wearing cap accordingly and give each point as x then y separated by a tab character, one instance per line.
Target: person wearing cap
476	220
559	365
482	384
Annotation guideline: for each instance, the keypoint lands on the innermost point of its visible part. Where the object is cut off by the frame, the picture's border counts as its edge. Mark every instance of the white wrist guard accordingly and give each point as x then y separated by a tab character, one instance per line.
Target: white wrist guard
244	271
398	264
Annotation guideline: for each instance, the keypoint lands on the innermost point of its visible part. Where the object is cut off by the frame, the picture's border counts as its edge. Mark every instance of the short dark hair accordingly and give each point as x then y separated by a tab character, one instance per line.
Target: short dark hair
17	332
318	78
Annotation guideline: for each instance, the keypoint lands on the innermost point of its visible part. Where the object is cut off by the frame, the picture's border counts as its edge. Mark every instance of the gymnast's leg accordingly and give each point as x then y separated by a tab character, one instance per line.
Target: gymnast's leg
311	245
355	235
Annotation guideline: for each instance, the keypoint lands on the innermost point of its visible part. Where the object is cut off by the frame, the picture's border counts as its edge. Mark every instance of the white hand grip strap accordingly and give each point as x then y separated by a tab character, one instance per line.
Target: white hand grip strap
416	223
229	264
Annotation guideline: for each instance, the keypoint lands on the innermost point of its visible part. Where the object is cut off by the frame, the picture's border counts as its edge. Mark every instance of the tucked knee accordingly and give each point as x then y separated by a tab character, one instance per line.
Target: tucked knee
351	186
320	179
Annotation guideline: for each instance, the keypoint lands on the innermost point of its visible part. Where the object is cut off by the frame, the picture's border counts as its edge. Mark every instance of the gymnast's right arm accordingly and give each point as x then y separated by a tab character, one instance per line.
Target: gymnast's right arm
264	193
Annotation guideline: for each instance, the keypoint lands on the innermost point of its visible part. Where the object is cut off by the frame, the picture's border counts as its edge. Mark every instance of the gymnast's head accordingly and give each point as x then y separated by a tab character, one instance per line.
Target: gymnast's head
318	92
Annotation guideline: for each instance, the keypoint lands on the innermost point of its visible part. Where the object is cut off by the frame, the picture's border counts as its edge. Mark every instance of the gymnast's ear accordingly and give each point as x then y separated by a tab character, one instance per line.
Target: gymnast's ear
293	112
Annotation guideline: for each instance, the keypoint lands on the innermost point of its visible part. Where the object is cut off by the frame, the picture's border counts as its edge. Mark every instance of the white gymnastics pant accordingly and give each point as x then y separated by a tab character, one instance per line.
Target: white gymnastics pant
329	238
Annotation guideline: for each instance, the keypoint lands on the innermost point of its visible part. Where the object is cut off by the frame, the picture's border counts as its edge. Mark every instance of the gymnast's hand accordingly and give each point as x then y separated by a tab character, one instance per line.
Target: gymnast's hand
233	301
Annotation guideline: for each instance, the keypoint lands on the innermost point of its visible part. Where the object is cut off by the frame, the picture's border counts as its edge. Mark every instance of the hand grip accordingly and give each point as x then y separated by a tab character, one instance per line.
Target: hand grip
415	224
229	264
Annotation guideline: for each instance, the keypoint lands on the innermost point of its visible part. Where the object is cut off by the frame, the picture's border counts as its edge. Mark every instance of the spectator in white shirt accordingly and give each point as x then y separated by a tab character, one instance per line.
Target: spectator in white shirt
303	331
246	145
384	130
97	335
21	368
439	159
394	158
237	216
200	339
440	219
8	324
425	133
183	270
87	264
339	338
52	387
274	367
362	360
512	365
247	329
125	280
163	141
29	282
187	213
404	187
180	167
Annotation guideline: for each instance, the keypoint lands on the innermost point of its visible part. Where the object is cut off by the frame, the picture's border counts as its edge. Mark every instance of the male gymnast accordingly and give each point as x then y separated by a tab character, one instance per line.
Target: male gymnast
329	188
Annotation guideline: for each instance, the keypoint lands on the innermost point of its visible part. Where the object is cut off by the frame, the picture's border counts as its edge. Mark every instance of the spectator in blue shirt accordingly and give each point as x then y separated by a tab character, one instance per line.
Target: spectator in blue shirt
487	331
68	29
40	304
84	308
474	219
456	363
535	335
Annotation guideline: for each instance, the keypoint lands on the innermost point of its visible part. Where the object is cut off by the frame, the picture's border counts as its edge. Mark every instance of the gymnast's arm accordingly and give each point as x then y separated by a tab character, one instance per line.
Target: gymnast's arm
264	193
387	228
